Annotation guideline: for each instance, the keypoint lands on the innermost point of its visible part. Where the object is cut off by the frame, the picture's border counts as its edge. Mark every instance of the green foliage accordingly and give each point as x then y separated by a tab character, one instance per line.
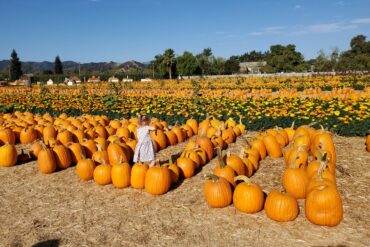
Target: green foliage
284	59
186	64
15	67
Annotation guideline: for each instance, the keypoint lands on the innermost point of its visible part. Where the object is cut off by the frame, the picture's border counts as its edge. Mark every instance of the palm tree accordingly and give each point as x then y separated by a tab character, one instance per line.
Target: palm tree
168	57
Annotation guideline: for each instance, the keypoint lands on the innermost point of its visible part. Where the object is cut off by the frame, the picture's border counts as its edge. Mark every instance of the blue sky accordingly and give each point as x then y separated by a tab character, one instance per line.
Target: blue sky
121	30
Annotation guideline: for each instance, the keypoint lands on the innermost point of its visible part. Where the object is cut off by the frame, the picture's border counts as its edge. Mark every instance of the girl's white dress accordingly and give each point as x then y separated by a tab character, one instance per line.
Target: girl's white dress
144	150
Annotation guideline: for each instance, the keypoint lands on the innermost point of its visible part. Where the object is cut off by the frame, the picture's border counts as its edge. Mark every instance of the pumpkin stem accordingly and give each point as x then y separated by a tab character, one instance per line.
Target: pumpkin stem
212	177
292	126
220	158
243	178
295	157
170	160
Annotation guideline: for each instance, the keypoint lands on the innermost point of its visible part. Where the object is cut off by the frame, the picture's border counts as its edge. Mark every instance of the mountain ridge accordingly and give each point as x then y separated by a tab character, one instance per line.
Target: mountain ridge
33	67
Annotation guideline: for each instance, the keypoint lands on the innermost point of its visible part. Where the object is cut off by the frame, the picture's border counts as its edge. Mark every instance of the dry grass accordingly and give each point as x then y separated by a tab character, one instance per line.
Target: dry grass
63	210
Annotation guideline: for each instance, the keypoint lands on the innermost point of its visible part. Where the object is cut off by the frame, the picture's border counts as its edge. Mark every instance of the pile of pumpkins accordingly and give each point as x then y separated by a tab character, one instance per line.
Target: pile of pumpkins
158	179
312	180
58	143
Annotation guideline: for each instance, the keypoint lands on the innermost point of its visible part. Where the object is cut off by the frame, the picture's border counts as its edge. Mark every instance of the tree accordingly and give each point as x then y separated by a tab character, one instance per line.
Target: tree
358	57
232	65
218	66
284	59
205	60
15	67
186	64
58	66
168	60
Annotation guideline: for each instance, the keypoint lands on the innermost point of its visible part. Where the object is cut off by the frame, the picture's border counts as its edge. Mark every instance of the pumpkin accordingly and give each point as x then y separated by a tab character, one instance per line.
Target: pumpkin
272	146
78	135
241	126
85	169
8	155
62	156
171	137
224	171
102	174
367	143
49	133
314	166
295	181
228	135
123	132
28	135
193	155
260	146
46	161
187	130
103	143
280	206
193	124
206	144
249	167
297	156
65	137
35	148
302	140
121	174
116	153
157	180
236	163
323	206
323	140
247	197
179	133
77	152
290	132
100	156
187	167
160	138
7	136
101	131
191	145
217	191
138	173
174	171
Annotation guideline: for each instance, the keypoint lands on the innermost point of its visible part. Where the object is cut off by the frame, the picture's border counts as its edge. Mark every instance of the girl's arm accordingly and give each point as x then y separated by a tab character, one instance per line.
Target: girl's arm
152	128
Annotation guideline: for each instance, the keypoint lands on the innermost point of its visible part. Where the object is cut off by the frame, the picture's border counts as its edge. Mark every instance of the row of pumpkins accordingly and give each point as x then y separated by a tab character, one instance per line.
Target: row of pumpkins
66	140
313	180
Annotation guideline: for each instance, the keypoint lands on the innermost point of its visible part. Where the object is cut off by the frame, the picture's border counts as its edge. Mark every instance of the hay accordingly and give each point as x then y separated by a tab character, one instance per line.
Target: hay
62	209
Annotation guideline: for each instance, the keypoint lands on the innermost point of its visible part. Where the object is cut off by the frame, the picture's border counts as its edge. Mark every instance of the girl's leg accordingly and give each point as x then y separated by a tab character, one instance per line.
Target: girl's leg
152	163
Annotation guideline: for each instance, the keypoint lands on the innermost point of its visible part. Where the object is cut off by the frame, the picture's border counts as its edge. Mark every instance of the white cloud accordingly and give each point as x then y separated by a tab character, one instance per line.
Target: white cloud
361	21
268	30
298	6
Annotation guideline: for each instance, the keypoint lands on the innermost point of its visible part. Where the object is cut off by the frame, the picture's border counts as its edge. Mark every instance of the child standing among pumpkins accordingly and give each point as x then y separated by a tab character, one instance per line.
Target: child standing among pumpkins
144	150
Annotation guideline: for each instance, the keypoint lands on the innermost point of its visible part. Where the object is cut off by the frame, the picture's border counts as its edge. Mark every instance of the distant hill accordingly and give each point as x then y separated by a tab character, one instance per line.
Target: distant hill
32	67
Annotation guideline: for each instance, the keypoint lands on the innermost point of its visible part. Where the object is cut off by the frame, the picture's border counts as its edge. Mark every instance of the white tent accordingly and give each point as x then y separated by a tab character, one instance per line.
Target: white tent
50	82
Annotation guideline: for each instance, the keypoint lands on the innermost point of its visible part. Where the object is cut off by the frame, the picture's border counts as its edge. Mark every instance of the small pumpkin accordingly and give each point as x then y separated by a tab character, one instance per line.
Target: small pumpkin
280	206
222	170
247	197
217	191
85	169
187	167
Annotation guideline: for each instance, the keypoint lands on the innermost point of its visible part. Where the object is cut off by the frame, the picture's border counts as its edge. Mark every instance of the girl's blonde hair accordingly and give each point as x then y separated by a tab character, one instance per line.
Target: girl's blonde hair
143	119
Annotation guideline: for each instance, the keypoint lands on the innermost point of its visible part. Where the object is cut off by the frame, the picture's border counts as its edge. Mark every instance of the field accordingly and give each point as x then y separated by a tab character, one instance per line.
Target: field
60	209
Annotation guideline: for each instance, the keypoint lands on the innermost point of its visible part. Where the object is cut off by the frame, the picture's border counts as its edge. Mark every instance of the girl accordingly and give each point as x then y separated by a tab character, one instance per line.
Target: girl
144	150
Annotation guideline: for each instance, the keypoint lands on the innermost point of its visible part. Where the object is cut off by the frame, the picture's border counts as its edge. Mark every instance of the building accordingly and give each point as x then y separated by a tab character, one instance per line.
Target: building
146	80
113	79
94	79
251	67
25	80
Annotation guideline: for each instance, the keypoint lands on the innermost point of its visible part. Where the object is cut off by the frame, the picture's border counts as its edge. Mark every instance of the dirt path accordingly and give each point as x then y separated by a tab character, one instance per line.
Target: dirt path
61	209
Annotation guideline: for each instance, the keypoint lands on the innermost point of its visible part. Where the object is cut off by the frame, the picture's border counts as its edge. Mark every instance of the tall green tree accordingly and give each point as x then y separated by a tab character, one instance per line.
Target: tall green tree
358	57
284	59
186	64
58	66
232	65
205	60
15	67
168	60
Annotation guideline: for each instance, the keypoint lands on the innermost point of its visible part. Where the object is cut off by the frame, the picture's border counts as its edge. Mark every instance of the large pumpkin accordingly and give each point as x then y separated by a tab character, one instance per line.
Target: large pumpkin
138	173
323	206
157	180
62	156
46	161
222	170
206	144
102	174
28	135
121	175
